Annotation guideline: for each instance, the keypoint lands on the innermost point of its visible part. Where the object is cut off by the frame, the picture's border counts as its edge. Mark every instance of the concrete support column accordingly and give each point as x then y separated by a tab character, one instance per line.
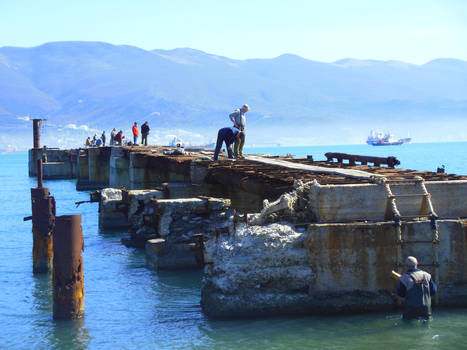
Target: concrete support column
68	278
83	170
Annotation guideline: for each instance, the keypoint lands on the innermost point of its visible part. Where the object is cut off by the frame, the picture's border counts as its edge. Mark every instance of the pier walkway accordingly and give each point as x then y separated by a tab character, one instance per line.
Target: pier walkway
352	173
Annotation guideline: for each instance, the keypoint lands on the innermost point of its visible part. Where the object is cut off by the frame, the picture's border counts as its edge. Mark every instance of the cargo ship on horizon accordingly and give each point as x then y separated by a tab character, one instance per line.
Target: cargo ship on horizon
388	139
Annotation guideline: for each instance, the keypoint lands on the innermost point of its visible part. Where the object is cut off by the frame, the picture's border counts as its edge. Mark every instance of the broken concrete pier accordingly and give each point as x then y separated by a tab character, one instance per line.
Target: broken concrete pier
330	249
279	235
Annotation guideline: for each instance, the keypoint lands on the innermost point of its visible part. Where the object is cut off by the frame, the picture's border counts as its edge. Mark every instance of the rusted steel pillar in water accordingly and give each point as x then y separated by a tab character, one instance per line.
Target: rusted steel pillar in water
40	173
36	125
68	281
43	221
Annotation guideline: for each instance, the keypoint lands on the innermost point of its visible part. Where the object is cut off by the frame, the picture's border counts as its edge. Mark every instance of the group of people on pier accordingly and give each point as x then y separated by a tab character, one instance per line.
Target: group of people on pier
118	139
232	135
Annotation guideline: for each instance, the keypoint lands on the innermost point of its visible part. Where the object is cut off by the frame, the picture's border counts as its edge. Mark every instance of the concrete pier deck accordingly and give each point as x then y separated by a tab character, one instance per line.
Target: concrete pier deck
246	182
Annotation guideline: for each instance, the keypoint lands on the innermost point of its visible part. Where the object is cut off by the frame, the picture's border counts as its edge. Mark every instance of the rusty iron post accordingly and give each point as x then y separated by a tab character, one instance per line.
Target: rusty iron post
40	176
36	124
43	221
68	278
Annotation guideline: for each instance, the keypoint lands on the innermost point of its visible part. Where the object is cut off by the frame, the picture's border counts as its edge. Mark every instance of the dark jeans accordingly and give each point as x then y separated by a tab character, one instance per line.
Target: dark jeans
144	139
221	138
135	139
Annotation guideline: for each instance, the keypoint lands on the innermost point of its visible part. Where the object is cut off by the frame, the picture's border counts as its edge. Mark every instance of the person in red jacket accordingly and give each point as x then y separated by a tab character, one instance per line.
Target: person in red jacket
118	138
135	133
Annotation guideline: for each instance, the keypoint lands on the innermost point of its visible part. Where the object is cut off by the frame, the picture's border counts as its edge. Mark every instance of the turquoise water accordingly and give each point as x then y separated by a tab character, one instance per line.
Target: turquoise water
419	156
129	306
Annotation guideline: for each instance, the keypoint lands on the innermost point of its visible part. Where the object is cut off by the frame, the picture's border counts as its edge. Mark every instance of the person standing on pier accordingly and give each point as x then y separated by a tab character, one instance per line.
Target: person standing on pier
135	133
229	136
103	138
417	287
112	136
144	133
238	119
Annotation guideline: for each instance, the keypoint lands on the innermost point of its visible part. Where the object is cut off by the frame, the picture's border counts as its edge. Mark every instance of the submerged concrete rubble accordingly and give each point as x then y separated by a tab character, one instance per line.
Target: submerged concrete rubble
279	235
173	231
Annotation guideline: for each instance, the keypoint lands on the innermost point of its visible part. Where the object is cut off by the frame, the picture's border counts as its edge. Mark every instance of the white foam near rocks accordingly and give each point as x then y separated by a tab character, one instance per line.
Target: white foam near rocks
108	194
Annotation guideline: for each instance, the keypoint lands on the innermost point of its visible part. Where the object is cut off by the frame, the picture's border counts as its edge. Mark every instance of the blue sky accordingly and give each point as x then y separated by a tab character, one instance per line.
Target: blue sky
412	30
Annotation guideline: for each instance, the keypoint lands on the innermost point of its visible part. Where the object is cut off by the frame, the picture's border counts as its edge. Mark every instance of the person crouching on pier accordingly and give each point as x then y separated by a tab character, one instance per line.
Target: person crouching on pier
135	133
118	138
228	135
417	287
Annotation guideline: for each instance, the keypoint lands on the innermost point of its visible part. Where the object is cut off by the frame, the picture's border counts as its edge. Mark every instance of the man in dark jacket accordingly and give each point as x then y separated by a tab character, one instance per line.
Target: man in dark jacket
103	138
417	287
144	133
227	135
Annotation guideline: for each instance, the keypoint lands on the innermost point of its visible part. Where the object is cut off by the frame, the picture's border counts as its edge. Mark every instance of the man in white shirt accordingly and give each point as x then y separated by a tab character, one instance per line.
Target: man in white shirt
238	119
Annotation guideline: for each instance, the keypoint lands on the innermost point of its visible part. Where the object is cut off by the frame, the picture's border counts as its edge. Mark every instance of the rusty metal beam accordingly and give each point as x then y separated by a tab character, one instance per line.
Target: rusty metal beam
40	183
364	160
68	277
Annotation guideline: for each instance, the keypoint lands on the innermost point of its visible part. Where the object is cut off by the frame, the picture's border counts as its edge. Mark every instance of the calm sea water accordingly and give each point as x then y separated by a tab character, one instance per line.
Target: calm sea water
130	306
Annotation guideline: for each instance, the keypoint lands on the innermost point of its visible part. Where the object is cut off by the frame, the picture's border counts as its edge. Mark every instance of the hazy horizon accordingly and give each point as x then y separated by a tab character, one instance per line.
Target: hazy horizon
415	31
314	72
346	58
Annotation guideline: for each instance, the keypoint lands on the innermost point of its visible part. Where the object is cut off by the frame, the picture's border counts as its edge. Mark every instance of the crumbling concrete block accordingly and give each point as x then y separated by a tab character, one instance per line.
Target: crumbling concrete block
112	212
179	219
327	268
175	256
181	228
124	209
258	270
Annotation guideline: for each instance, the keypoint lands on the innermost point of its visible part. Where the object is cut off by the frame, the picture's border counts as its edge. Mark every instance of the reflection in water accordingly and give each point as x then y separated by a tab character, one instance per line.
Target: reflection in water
42	293
71	334
54	334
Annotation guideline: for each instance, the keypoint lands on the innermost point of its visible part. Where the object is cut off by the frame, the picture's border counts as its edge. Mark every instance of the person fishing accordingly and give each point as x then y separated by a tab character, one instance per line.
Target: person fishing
417	287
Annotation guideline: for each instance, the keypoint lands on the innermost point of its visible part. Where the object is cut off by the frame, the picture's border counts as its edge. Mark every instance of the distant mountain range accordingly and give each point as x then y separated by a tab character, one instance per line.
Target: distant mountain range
100	85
